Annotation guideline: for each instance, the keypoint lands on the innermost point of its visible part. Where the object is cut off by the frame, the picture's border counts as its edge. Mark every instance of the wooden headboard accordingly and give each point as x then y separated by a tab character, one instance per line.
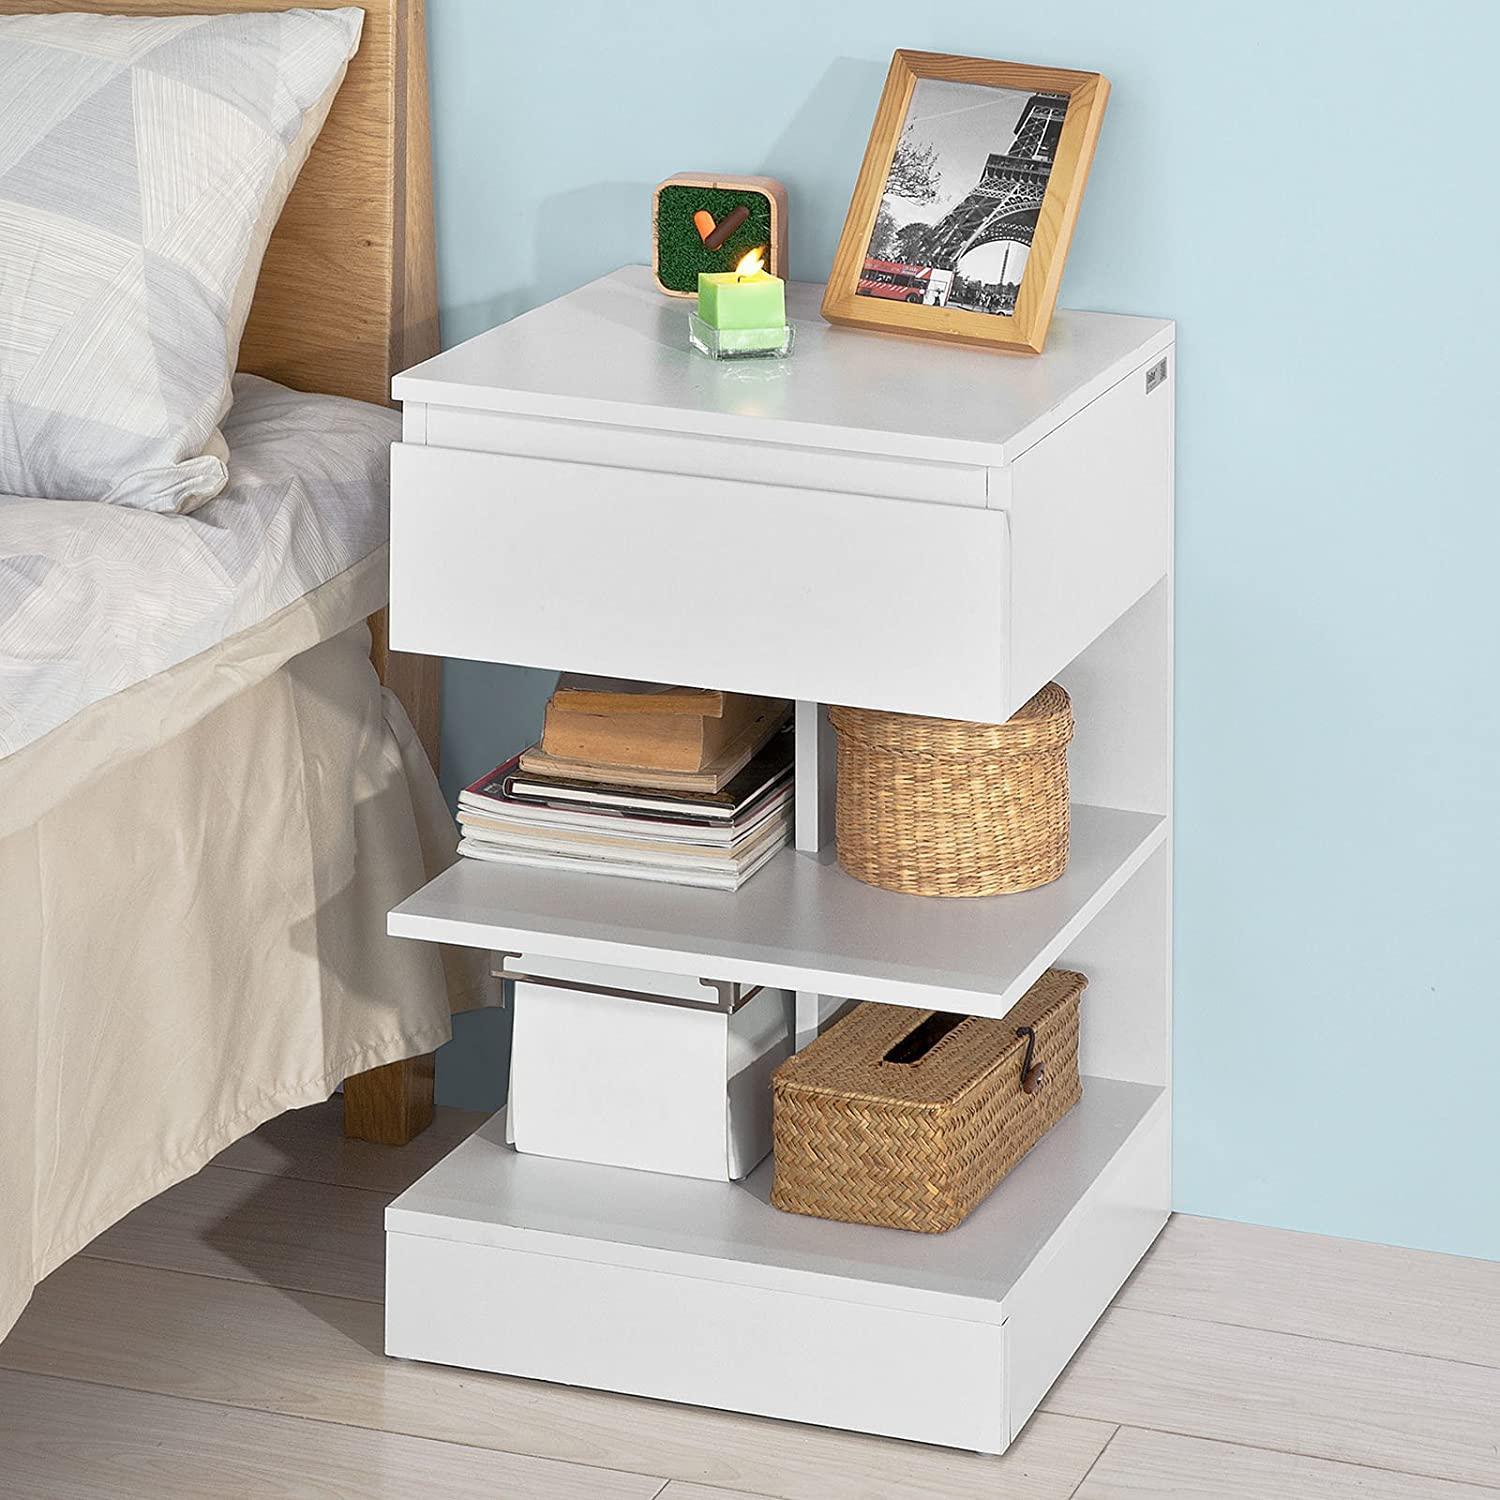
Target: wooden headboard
348	291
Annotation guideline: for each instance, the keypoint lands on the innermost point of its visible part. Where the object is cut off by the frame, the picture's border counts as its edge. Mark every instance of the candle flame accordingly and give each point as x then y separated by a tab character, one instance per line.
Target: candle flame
751	262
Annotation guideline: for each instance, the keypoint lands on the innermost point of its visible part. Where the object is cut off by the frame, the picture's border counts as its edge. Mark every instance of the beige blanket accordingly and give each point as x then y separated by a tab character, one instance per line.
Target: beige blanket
194	876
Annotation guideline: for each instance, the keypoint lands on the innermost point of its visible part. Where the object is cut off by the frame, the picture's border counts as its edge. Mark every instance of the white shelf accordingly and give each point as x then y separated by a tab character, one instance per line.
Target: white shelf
800	924
486	1194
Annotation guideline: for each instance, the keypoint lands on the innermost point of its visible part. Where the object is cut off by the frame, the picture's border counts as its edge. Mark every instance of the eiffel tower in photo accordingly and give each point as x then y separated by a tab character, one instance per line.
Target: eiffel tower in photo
1005	202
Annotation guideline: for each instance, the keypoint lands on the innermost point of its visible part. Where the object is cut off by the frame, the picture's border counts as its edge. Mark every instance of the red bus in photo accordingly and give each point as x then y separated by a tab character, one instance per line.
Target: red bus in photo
897	282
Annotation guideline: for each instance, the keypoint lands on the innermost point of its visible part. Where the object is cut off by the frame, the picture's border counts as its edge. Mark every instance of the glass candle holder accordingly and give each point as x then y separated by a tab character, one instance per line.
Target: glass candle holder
739	343
741	314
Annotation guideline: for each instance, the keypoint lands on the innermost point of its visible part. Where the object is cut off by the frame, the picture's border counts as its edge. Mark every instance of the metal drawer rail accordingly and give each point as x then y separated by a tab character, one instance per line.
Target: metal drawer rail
730	996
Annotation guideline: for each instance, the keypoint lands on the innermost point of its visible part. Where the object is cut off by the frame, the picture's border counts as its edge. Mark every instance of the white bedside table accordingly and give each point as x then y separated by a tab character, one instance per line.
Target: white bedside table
880	522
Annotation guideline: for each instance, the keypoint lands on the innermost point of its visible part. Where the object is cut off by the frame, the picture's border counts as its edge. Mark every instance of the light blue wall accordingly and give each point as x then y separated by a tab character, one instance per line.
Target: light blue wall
1309	188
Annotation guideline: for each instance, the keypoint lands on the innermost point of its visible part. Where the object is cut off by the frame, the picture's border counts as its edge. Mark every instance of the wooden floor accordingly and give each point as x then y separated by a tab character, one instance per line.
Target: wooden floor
225	1341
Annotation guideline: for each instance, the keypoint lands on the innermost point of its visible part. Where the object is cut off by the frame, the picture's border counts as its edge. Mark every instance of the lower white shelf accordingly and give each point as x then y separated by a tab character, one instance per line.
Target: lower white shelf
701	1292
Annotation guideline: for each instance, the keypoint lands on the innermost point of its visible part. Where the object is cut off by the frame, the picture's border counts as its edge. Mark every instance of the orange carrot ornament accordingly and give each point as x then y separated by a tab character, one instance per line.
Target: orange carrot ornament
703	222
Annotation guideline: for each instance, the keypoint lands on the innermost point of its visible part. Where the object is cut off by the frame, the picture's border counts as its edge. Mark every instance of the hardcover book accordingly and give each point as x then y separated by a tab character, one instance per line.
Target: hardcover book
657	741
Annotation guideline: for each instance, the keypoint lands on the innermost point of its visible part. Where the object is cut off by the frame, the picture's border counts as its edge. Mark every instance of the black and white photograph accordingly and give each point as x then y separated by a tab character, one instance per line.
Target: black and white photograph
960	202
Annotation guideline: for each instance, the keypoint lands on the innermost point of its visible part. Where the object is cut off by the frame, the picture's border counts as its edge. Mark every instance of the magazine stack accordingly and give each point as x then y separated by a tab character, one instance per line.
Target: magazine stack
689	786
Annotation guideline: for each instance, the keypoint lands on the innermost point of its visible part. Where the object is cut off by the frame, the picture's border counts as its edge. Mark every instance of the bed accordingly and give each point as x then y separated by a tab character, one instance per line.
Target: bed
214	776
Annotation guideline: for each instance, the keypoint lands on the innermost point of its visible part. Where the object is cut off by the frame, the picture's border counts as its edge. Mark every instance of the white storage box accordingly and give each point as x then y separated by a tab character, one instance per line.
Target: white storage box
632	1068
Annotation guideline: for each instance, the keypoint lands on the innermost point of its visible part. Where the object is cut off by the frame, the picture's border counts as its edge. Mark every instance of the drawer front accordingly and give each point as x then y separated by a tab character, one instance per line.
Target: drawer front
760	588
706	1342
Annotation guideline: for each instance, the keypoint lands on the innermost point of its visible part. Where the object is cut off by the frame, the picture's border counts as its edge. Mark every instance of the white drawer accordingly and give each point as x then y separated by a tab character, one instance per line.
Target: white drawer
702	1292
700	1340
760	588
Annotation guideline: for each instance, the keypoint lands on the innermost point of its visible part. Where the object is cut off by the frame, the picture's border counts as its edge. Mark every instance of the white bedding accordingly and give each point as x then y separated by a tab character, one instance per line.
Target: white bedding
207	805
96	598
193	936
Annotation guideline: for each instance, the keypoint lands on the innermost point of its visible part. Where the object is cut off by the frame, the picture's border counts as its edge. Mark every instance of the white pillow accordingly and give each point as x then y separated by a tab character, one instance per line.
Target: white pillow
144	162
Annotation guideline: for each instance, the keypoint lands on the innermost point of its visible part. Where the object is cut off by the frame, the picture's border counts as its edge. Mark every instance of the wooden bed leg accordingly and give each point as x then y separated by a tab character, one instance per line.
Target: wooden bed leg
391	1105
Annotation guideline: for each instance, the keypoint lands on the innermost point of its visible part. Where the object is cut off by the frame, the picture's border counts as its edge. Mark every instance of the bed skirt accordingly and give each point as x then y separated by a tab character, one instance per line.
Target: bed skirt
192	935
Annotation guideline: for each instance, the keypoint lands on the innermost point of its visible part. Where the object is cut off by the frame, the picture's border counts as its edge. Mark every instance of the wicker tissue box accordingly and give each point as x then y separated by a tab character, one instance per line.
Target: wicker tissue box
909	1118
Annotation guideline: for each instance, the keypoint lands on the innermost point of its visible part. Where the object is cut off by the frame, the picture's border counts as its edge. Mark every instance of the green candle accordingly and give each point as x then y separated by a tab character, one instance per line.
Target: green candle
727	300
742	311
746	306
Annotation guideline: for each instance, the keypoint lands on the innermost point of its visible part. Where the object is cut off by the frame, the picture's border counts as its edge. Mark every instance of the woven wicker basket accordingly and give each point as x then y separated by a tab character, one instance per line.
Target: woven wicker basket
865	1135
940	807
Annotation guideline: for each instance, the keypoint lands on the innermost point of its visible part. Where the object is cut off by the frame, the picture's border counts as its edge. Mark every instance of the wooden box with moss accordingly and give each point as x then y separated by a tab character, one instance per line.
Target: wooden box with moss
706	223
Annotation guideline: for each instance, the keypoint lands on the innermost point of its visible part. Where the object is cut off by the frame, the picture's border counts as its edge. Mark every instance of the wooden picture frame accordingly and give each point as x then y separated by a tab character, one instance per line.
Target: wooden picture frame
1029	188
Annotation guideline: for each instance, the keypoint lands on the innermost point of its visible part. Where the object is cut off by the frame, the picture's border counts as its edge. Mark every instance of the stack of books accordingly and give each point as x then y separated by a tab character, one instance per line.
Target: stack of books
653	782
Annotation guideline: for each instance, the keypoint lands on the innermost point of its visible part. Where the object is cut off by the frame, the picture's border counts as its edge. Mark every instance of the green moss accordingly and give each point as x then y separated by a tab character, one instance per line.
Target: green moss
681	254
